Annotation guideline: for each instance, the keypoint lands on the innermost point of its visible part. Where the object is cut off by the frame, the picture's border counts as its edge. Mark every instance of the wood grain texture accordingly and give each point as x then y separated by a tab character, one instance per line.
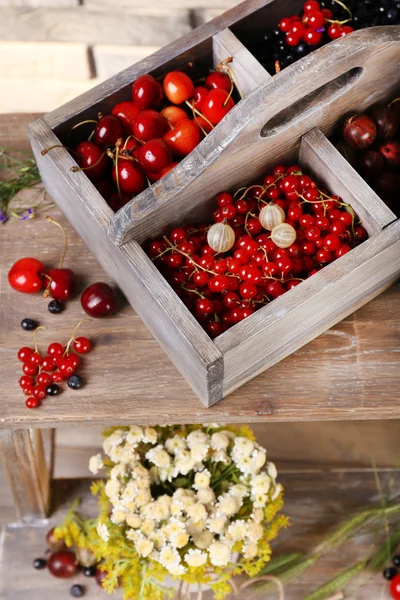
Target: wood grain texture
23	457
350	372
247	72
316	502
79	25
327	165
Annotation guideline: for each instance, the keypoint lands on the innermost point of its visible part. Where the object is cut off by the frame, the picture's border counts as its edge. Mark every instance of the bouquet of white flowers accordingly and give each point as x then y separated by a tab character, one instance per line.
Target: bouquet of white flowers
194	503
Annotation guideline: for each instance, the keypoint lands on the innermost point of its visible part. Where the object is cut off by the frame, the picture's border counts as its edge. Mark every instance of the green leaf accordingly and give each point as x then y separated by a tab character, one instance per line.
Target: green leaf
276	564
337	583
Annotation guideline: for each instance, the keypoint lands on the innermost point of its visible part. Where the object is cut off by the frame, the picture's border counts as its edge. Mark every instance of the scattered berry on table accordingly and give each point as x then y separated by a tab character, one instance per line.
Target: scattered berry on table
389	573
74	382
39	563
90	571
52	389
55	307
77	591
29	324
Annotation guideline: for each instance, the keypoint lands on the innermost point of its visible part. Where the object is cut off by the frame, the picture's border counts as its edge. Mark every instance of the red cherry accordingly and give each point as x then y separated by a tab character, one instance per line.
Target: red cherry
391	153
92	159
44	379
183	138
62	285
174	114
25	275
82	345
216	105
29	369
32	402
55	349
199	93
395	587
108	130
24	354
178	87
149	125
126	112
359	132
218	79
154	155
130	177
62	564
100	576
98	300
147	92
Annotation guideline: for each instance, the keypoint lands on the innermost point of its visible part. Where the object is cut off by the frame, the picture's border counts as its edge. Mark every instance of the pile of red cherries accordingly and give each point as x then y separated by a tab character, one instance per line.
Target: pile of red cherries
222	289
144	138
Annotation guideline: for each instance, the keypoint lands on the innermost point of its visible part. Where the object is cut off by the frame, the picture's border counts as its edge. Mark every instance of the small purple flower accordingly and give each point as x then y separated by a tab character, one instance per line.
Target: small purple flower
26	214
3	216
320	30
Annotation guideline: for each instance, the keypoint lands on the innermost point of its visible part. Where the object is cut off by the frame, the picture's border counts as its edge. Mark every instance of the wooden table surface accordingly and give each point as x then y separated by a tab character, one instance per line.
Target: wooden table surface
350	372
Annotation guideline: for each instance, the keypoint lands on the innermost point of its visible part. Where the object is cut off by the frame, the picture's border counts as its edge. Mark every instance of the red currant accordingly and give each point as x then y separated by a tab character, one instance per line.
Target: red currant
82	345
204	307
44	379
39	392
57	377
32	402
24	354
285	24
48	363
311	6
323	256
55	349
331	242
29	369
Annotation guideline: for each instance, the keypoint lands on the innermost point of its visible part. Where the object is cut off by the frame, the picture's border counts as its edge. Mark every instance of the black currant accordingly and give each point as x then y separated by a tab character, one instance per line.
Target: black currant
389	573
396	561
29	324
52	389
55	307
39	563
90	571
77	591
74	382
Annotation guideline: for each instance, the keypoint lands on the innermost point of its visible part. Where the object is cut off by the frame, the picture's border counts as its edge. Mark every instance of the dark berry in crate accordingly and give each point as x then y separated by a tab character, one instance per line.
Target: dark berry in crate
62	564
52	544
391	153
359	132
98	300
90	571
396	561
387	121
77	591
349	153
29	324
389	573
39	563
26	275
52	389
91	159
75	382
108	130
372	163
55	307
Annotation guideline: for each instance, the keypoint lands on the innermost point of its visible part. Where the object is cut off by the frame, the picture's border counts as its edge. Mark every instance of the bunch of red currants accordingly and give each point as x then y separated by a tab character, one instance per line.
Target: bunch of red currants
223	288
143	139
310	26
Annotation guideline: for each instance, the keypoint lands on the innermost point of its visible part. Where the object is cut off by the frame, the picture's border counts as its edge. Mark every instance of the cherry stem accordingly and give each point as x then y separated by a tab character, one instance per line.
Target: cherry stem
46	150
50	220
73	336
75	169
196	119
191	106
34	337
83	123
116	171
194	291
46	292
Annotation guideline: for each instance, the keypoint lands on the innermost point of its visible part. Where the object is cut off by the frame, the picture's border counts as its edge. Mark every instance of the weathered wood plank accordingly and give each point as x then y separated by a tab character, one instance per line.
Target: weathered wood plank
164	5
110	59
91	27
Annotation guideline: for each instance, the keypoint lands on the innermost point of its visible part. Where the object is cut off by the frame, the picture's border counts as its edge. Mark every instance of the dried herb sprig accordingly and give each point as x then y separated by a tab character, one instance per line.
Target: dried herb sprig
18	171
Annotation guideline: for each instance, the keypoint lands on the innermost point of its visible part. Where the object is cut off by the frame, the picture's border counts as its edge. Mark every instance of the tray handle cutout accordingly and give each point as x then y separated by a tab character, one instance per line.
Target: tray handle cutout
325	94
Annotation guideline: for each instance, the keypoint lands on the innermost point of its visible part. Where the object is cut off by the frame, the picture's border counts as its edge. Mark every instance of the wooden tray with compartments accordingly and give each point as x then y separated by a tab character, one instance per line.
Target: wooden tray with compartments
284	117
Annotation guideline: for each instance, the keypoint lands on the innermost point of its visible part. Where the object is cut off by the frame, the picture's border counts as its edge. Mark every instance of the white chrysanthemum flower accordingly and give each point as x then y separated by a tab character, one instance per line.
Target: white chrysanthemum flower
198	437
134	435
116	454
217	524
117	517
242	447
260	484
112	487
147	527
219	441
228	505
103	532
179	540
140	472
133	535
133	520
165	500
182	493
195	557
177	508
277	491
173	527
220	554
150	435
197	512
239	490
178	571
250	550
118	471
195	528
116	438
259	458
169	557
143	498
254	530
158	538
205	496
203	540
130	491
259	500
258	515
175	445
202	480
272	472
237	531
245	464
159	457
220	456
199	452
95	464
154	475
188	501
184	464
144	547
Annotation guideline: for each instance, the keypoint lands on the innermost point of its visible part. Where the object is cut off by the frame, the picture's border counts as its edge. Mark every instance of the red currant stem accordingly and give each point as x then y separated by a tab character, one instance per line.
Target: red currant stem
248	214
247	190
75	169
194	291
199	113
189	257
34	337
265	252
73	336
334	22
50	220
346	8
46	150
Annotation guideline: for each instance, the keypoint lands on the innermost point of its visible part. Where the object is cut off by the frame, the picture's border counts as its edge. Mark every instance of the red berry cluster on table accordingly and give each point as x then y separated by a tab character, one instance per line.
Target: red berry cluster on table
265	240
64	563
42	373
144	138
371	143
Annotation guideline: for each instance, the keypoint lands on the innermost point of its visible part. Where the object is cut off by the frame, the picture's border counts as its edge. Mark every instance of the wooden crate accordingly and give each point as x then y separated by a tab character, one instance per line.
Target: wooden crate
281	117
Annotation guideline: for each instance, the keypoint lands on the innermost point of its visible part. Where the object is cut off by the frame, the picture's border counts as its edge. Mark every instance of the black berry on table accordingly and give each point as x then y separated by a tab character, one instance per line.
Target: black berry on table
39	563
90	571
52	389
77	591
75	382
55	307
389	573
29	324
